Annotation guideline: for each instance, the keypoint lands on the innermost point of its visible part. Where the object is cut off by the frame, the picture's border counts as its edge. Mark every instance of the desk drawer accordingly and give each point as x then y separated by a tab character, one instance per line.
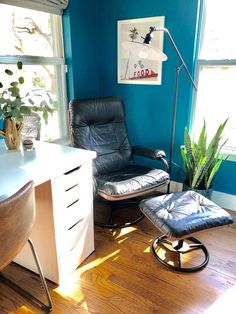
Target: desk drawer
72	214
72	236
70	196
69	179
82	244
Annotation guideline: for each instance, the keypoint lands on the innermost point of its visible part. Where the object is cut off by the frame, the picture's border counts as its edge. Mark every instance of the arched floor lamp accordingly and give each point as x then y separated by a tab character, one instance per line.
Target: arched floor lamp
146	51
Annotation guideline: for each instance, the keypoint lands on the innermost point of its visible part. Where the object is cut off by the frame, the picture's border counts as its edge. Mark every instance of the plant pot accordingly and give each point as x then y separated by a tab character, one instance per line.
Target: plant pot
206	193
12	133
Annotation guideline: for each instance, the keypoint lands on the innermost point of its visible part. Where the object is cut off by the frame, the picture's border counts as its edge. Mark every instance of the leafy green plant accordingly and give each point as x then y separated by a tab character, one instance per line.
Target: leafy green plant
201	161
12	104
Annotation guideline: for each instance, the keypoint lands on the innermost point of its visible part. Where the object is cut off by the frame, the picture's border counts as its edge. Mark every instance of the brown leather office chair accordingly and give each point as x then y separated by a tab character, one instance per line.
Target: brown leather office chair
17	216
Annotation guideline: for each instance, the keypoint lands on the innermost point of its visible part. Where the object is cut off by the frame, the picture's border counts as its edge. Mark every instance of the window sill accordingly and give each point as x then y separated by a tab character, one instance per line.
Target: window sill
62	141
230	154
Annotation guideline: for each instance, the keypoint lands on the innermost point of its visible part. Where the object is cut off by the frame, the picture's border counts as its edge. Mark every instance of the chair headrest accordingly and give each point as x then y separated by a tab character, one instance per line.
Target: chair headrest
96	111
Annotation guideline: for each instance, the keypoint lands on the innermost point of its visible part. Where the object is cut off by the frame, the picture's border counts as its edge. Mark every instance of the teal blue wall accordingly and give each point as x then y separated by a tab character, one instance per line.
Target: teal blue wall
92	59
80	33
226	178
149	107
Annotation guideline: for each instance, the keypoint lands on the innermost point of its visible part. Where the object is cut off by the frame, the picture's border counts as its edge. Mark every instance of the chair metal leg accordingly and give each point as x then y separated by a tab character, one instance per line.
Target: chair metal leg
43	281
26	294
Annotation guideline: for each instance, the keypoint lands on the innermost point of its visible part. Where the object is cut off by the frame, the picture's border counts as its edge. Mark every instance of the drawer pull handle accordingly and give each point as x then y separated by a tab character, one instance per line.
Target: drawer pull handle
76	224
68	172
70	188
72	203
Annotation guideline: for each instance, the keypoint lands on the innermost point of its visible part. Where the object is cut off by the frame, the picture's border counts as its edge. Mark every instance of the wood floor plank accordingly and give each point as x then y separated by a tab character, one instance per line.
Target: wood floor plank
122	276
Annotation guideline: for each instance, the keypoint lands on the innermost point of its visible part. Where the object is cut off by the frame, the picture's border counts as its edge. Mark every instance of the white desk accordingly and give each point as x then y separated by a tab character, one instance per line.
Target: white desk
63	232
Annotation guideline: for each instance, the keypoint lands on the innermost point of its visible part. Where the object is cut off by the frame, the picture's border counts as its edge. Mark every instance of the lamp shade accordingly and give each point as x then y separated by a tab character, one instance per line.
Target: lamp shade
144	51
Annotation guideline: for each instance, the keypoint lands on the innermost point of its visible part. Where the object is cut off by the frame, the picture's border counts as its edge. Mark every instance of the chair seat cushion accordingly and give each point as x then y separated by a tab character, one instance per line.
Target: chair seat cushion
130	180
183	213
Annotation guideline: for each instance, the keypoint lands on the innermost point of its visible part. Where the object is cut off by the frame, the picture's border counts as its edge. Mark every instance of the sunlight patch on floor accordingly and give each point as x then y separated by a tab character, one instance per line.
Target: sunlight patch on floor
22	310
165	256
147	250
124	231
115	258
122	240
226	303
71	285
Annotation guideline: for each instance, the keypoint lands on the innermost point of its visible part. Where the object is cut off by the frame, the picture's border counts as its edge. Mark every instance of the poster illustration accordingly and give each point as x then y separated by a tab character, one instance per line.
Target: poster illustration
140	63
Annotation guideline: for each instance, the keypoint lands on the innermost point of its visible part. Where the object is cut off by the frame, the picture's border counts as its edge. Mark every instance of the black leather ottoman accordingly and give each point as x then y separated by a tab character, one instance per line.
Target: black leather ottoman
178	216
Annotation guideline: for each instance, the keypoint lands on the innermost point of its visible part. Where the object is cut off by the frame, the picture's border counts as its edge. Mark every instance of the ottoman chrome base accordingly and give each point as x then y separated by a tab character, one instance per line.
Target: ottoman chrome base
179	248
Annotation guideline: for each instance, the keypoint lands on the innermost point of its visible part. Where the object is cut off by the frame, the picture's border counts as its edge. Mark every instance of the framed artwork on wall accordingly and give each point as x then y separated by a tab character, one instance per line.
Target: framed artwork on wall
139	63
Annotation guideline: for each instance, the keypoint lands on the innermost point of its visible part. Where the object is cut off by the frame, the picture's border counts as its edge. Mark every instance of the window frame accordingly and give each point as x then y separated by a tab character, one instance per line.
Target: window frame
228	152
60	73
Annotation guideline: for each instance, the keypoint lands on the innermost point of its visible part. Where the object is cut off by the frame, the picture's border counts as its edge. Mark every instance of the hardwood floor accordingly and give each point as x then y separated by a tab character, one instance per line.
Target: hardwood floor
122	276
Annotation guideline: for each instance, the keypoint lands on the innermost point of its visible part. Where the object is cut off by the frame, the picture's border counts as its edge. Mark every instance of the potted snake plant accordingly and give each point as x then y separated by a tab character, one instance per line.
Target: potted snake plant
202	161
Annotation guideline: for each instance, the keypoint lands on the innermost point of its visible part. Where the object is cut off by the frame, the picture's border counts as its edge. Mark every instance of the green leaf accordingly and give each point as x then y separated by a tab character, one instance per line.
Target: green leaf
21	80
45	116
31	101
201	145
187	165
188	145
213	173
50	98
14	83
19	118
18	101
25	110
1	86
14	90
8	72
19	65
199	170
36	109
15	113
55	104
2	100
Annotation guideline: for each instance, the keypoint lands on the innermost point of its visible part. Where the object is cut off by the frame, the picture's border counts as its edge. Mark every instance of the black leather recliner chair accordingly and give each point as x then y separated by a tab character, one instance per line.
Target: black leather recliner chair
99	125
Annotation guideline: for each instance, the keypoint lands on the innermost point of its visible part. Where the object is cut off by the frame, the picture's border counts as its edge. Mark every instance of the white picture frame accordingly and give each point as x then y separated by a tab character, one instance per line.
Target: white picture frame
135	67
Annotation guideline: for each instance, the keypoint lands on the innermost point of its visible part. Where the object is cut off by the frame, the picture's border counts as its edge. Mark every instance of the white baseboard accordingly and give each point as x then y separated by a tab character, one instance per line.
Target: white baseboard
175	186
224	200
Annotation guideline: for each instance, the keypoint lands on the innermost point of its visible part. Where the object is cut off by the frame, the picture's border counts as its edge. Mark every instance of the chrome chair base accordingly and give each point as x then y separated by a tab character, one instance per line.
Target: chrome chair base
114	207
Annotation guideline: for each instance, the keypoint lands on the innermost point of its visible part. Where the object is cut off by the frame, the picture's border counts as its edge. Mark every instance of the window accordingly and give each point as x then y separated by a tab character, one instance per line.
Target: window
216	70
35	38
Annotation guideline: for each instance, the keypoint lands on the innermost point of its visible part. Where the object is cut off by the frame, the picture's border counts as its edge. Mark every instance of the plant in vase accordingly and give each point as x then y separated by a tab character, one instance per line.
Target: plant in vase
201	162
13	108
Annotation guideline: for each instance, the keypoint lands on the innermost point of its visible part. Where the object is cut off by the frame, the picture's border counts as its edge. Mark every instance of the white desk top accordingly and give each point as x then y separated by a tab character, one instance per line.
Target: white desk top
47	161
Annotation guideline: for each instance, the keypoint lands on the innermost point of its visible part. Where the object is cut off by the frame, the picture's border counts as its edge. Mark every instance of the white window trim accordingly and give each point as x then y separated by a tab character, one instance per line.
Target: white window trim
54	7
228	152
60	75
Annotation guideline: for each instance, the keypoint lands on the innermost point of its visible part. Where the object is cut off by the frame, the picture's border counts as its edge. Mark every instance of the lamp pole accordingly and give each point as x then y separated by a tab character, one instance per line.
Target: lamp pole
147	40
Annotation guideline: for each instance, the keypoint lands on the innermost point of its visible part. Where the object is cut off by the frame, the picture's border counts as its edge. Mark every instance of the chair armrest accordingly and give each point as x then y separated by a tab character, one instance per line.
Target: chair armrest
151	153
148	152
